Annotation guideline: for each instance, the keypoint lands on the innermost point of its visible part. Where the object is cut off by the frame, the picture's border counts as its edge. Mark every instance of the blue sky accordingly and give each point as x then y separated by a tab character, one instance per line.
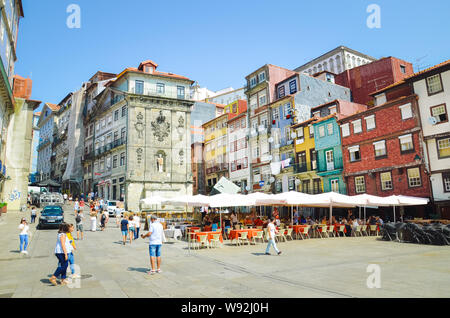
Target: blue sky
216	43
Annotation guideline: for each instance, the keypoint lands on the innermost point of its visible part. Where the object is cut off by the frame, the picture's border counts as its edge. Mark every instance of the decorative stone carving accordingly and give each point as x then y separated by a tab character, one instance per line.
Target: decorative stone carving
181	154
139	152
180	127
140	126
160	127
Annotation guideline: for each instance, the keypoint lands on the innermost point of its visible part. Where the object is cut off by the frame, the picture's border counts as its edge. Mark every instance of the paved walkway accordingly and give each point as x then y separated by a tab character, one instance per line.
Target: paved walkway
334	267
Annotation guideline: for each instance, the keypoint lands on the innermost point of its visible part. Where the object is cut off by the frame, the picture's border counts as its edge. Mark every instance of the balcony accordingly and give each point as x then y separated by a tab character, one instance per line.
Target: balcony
305	166
165	93
330	165
110	146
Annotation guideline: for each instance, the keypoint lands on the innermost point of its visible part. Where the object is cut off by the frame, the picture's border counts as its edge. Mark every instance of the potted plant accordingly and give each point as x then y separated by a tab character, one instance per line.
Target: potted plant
3	207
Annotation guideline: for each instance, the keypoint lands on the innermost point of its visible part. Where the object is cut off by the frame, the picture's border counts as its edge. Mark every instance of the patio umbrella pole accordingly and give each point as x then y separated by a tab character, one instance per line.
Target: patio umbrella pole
364	214
360	213
394	213
331	211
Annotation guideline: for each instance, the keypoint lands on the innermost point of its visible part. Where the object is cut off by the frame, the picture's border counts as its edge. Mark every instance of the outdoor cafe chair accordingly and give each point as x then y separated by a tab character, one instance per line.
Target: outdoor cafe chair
324	231
280	235
203	240
356	231
373	228
341	229
330	230
215	241
258	236
192	240
289	233
243	237
305	231
364	230
227	232
259	227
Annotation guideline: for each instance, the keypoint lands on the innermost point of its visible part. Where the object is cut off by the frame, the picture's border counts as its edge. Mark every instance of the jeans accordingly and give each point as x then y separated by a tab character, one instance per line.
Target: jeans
33	217
23	242
272	242
136	233
71	262
62	266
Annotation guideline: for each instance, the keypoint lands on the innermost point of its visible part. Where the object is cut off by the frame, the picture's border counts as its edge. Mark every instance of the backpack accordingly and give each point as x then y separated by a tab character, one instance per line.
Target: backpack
78	219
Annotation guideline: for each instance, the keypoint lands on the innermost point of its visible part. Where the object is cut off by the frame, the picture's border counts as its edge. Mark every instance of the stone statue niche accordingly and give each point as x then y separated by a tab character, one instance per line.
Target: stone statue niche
161	161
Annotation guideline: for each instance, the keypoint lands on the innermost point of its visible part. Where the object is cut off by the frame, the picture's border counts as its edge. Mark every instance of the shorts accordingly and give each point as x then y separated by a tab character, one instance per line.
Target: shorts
80	227
155	250
125	233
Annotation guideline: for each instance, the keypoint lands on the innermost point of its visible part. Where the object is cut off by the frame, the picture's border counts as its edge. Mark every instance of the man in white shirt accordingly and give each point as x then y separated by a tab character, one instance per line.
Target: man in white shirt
156	234
271	231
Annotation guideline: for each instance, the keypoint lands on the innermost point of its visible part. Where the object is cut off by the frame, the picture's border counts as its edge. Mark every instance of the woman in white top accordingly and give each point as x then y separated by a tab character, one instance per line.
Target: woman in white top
137	223
62	250
24	234
93	221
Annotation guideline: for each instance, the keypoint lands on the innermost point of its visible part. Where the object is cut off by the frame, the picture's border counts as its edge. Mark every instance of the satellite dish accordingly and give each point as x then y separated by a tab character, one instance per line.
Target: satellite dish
247	188
432	120
272	179
293	135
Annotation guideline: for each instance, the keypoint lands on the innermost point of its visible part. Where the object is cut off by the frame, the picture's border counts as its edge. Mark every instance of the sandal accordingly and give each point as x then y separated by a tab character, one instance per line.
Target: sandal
53	281
159	271
64	282
152	272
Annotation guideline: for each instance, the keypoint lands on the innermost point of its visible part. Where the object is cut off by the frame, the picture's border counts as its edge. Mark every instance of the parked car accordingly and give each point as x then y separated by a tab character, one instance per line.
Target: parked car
51	216
111	207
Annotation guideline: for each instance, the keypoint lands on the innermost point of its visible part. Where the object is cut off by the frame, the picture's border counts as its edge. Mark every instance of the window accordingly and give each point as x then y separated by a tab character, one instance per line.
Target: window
124	111
262	100
403	69
414	177
334	185
322	131
123	134
360	184
434	84
301	159
446	181
345	130
261	77
313	158
330	129
311	131
380	148
443	147
406	111
370	122
293	87
439	113
287	109
406	143
116	115
253	81
160	88
275	113
317	186
180	91
139	87
305	186
332	110
355	155
357	127
281	92
386	181
122	159
243	123
115	161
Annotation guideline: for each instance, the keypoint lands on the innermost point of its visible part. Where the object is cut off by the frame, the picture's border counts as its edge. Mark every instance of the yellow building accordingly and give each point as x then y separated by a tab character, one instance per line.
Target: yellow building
306	164
215	150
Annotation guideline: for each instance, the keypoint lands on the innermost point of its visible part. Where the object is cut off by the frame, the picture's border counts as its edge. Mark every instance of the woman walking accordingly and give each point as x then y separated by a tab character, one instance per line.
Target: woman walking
131	227
93	221
62	250
24	235
33	214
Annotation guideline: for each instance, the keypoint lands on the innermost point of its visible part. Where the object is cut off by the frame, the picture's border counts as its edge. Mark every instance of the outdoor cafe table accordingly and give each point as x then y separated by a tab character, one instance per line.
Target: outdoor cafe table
298	227
337	226
207	228
234	234
209	234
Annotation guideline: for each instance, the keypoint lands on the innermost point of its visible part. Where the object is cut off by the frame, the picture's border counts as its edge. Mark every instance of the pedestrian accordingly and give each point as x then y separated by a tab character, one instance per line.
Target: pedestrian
131	227
271	231
156	234
24	236
137	223
62	250
93	216
76	206
65	198
124	227
103	220
33	214
71	258
79	223
82	204
118	216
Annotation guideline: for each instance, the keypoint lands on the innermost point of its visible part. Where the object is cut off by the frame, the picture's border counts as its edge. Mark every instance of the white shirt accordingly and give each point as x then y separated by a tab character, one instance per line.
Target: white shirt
137	221
24	229
157	231
65	196
271	229
59	249
355	223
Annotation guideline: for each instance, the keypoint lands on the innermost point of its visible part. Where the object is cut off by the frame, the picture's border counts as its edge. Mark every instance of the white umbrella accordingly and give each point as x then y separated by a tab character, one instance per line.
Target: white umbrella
230	200
153	200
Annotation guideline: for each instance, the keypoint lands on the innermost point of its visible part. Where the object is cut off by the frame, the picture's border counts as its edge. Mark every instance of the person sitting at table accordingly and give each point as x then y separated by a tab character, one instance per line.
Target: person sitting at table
206	221
302	219
234	219
259	222
379	221
372	220
324	220
277	221
333	220
275	213
295	221
248	221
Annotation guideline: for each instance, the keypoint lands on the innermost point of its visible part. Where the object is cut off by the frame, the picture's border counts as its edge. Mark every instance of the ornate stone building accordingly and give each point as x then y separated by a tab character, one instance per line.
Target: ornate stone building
155	159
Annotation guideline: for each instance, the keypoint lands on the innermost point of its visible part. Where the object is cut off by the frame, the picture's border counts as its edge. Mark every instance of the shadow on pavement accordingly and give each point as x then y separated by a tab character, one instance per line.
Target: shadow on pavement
259	254
137	269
